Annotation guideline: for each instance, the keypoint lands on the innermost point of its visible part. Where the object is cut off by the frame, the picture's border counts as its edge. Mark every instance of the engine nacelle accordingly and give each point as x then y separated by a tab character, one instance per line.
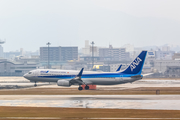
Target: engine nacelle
63	83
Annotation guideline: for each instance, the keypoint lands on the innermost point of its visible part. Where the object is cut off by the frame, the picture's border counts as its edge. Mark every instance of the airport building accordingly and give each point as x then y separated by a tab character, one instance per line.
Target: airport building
9	68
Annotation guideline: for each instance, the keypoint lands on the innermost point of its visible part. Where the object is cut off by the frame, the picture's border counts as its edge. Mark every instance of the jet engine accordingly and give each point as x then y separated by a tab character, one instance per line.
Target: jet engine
63	83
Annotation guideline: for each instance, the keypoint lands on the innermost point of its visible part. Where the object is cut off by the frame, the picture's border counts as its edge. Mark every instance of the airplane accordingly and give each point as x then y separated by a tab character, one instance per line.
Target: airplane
72	77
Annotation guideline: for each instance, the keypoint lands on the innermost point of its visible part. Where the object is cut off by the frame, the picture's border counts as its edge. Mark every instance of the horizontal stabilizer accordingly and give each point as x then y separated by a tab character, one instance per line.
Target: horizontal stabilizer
148	74
137	76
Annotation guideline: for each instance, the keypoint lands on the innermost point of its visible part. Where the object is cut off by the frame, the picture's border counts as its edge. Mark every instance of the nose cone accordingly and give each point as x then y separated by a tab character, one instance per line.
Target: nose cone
25	75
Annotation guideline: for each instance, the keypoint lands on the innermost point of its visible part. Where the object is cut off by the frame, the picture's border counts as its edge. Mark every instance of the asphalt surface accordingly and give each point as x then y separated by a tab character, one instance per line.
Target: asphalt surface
159	102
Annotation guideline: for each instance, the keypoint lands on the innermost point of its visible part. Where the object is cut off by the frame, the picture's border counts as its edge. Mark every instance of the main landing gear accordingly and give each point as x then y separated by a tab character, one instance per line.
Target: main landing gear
81	88
87	87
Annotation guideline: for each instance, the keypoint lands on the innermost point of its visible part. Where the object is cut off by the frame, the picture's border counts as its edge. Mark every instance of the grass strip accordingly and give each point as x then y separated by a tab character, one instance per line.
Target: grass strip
86	113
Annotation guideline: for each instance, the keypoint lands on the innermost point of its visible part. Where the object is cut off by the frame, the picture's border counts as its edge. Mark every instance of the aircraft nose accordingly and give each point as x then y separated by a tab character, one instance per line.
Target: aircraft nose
25	75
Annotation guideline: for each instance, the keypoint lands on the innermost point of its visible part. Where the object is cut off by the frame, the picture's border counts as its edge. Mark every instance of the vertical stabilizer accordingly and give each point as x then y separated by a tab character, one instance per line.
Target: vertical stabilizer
136	66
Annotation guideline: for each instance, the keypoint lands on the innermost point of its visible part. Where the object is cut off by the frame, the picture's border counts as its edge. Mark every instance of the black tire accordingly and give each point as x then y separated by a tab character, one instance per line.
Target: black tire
80	88
87	87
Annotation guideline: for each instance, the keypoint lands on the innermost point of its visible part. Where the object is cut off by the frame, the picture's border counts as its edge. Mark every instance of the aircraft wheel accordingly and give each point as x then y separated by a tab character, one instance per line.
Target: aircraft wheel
87	87
80	88
35	84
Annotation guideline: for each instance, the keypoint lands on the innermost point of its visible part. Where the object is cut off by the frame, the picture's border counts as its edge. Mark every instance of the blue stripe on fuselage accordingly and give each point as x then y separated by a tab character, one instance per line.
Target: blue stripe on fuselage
106	75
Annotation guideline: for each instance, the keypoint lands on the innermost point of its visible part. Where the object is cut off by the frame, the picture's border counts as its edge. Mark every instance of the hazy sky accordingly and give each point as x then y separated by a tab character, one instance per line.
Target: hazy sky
30	24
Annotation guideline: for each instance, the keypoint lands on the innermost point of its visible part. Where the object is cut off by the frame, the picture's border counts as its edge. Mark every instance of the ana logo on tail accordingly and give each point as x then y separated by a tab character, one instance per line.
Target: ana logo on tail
135	63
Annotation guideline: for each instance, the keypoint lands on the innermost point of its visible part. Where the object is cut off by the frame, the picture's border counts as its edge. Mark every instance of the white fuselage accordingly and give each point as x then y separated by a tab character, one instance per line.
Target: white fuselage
89	77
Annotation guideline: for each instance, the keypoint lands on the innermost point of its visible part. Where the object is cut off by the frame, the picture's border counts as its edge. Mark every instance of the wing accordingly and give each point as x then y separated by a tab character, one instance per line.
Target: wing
78	79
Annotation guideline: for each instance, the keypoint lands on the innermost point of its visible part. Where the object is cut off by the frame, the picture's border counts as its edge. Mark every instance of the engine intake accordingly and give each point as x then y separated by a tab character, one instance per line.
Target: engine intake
63	83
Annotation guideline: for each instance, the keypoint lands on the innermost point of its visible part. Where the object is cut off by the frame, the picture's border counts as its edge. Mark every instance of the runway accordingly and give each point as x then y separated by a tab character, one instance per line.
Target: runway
157	102
20	82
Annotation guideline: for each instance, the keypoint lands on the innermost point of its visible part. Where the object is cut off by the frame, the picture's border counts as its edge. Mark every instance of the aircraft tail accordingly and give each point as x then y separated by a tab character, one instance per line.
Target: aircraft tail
136	66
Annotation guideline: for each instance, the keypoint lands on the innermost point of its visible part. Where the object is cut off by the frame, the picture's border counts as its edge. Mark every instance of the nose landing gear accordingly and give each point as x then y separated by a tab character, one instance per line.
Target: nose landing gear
35	84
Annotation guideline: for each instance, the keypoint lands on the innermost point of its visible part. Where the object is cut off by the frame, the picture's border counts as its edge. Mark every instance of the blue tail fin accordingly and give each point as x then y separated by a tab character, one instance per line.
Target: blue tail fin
136	66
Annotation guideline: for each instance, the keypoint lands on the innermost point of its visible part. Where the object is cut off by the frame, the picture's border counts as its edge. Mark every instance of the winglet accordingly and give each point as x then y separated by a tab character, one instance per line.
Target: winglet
119	68
80	73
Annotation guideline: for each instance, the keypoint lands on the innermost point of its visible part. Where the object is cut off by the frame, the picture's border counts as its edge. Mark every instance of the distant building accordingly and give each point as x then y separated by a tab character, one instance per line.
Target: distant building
151	54
160	55
129	47
114	67
150	58
87	50
172	71
176	56
113	54
161	65
1	52
11	55
58	53
54	53
9	68
165	48
1	49
89	58
101	68
22	59
130	50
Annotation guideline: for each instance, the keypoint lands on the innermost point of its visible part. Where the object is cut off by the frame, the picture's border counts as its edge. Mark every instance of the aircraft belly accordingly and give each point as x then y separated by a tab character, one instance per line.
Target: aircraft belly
107	81
43	79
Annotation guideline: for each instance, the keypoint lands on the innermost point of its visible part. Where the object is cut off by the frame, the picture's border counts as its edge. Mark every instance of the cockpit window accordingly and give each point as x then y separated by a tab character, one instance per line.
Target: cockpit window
30	72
